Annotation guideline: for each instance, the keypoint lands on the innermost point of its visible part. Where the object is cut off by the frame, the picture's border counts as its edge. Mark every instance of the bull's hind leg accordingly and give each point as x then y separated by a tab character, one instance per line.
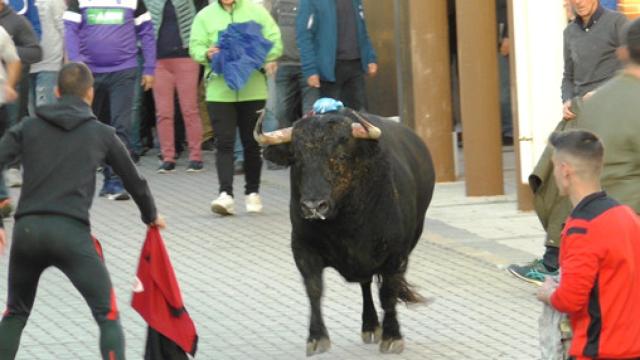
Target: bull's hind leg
391	338
371	330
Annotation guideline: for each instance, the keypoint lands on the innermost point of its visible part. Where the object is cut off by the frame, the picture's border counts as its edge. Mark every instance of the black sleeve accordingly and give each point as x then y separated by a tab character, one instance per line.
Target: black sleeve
26	42
118	157
140	9
73	6
200	4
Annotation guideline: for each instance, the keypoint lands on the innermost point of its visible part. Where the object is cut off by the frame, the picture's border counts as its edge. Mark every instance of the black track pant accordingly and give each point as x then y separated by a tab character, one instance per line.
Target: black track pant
225	117
40	241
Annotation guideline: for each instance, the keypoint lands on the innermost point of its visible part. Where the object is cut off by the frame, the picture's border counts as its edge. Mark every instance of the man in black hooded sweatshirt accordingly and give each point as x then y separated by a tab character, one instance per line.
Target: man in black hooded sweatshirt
61	149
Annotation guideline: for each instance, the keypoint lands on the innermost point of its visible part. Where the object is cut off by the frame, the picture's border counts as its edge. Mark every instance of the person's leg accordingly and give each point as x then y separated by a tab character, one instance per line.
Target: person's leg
351	77
137	110
121	86
163	93
79	257
329	89
505	99
309	95
4	193
26	263
44	85
247	118
223	121
187	84
288	95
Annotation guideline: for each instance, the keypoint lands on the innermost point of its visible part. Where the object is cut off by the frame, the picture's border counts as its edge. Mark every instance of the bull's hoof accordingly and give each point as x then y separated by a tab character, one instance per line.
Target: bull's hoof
372	337
392	346
318	346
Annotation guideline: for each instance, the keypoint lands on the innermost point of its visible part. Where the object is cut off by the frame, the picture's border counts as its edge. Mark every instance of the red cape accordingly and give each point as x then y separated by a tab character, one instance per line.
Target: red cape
157	296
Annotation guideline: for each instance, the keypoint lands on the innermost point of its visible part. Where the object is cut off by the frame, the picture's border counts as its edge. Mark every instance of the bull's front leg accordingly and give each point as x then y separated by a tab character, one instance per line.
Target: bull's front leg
311	267
371	330
392	341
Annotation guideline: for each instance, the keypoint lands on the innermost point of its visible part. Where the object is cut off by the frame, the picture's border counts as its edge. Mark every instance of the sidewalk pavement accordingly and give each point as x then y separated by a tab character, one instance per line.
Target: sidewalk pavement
245	295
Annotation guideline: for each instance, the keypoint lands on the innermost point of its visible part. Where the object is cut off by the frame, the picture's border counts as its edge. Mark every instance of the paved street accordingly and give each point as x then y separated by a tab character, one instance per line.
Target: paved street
242	289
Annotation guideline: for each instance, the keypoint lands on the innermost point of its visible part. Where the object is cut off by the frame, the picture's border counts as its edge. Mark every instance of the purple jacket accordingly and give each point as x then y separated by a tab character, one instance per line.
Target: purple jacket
104	34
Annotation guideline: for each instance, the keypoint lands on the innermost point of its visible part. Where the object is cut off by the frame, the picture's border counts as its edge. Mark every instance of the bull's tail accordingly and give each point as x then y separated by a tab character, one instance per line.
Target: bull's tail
409	295
407	292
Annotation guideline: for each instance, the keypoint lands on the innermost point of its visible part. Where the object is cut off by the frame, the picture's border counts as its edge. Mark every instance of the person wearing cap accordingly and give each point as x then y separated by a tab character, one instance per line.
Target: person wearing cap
599	284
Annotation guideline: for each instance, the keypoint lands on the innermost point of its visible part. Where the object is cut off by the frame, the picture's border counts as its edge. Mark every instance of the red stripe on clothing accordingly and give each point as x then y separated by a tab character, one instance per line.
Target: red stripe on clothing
98	247
113	313
112	355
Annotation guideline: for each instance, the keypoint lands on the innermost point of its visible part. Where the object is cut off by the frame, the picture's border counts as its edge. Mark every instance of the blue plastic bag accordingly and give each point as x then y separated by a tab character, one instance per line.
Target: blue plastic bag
243	50
325	105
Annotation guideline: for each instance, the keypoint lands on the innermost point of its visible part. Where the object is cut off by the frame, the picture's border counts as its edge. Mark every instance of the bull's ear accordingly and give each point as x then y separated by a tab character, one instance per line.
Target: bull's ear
279	154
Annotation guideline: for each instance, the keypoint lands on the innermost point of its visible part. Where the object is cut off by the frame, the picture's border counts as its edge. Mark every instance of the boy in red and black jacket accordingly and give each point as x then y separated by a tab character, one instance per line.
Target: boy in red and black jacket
599	257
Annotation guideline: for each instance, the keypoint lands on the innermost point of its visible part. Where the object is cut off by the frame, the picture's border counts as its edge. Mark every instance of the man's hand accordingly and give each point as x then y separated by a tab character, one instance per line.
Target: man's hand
504	47
147	82
314	81
10	94
372	69
3	241
159	223
547	289
270	68
212	51
566	111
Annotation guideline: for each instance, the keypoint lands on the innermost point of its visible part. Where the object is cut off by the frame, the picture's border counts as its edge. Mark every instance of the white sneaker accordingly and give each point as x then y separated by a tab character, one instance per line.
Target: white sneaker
223	205
13	177
253	203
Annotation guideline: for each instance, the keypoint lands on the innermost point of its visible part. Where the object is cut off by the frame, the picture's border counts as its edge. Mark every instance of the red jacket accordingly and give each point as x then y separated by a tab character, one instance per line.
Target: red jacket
157	296
600	279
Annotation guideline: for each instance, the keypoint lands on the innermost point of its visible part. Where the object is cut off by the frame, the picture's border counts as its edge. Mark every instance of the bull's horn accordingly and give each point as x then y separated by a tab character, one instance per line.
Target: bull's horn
364	129
281	136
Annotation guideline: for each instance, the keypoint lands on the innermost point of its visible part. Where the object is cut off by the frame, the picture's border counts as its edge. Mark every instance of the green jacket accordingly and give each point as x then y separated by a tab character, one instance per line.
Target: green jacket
612	114
204	33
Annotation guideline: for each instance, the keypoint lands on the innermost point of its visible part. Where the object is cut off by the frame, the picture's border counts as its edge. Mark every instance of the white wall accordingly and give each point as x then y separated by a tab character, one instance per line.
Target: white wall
538	27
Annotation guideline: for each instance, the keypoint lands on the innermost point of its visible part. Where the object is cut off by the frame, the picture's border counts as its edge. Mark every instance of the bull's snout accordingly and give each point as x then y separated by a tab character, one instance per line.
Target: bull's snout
315	209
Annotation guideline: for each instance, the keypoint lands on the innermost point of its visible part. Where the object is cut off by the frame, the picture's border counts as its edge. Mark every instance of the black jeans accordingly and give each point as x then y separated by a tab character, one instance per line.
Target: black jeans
349	84
41	241
225	117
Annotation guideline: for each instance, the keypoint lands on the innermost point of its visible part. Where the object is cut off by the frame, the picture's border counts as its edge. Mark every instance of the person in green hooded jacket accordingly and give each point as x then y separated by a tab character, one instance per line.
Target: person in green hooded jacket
611	113
229	108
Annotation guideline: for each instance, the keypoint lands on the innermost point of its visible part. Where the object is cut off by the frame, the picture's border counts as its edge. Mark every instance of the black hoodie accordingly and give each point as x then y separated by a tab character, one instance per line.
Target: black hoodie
61	150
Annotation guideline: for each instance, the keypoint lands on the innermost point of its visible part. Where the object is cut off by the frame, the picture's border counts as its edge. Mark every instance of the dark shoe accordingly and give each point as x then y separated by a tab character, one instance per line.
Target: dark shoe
507	140
113	190
195	166
274	166
167	167
135	158
535	272
208	145
238	167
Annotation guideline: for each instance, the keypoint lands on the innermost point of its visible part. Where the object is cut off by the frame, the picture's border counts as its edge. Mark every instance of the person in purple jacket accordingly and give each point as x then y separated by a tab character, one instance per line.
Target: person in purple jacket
104	34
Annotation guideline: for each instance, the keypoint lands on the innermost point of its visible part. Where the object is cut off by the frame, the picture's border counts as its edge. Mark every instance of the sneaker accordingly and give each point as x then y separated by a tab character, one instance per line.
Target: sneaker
13	177
253	203
535	272
167	167
238	167
223	205
195	166
113	190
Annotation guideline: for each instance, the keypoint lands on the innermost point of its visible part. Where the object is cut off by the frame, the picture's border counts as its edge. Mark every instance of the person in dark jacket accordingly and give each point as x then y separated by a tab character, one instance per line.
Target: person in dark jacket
335	49
61	150
599	284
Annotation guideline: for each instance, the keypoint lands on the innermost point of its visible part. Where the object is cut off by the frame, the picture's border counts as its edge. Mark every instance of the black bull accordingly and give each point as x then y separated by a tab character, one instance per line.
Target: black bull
357	205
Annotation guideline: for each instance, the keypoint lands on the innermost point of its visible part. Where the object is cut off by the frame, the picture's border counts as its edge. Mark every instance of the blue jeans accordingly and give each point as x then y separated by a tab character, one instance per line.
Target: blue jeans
294	96
41	90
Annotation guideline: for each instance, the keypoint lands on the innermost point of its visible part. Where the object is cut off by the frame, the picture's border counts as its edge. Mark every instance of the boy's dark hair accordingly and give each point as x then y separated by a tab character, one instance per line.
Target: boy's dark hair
74	79
580	144
633	41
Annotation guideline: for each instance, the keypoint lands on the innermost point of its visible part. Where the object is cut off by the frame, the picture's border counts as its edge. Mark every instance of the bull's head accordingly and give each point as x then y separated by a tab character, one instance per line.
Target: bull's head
327	157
